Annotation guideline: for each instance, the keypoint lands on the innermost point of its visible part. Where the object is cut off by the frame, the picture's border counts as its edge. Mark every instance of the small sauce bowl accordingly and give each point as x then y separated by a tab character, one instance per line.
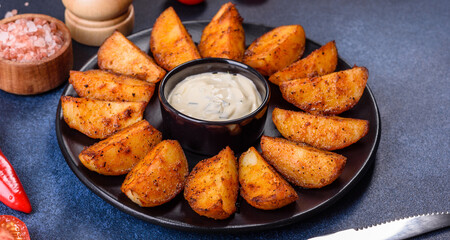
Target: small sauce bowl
209	137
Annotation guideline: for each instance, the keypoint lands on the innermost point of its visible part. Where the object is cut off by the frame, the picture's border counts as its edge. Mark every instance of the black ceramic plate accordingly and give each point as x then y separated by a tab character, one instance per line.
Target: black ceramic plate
177	213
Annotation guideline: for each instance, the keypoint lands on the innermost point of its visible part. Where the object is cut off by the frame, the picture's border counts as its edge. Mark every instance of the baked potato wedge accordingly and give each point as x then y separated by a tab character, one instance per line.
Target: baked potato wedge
170	42
100	119
104	85
276	49
120	55
261	186
330	94
325	132
119	153
159	177
224	36
320	62
302	165
212	186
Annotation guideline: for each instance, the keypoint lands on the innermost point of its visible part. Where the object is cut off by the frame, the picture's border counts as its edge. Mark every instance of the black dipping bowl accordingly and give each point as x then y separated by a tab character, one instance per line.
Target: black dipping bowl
209	137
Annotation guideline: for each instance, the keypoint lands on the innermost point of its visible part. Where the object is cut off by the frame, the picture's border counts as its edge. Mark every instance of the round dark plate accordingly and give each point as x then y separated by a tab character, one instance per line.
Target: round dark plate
177	213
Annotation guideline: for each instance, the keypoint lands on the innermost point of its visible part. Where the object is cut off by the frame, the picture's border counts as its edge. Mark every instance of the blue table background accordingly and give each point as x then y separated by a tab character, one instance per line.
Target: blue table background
405	46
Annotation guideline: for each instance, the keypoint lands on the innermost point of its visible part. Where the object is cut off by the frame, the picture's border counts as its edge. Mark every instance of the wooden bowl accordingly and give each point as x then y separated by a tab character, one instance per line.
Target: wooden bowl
94	33
27	78
97	10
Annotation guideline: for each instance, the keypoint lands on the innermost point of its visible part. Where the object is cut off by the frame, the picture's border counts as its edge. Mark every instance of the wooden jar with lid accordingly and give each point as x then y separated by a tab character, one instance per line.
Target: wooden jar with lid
91	21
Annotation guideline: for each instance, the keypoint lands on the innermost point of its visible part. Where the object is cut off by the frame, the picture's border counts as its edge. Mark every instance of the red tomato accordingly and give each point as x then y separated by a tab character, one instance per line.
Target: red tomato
190	2
11	228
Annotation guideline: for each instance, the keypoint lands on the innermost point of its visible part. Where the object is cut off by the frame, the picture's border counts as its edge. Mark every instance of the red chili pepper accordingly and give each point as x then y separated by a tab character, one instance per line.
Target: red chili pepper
11	190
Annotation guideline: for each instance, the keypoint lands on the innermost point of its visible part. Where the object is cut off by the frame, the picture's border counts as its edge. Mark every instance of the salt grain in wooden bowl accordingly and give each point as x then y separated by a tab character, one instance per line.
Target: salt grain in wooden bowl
35	53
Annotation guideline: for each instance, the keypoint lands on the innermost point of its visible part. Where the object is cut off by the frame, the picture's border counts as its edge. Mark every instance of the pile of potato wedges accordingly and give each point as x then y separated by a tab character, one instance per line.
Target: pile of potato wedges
112	99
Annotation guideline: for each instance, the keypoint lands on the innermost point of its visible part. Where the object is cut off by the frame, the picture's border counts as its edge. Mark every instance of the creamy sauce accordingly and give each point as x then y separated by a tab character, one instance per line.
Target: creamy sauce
215	96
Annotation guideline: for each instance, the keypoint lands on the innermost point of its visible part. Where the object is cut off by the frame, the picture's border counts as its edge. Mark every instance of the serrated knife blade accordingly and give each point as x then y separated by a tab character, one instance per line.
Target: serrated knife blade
394	230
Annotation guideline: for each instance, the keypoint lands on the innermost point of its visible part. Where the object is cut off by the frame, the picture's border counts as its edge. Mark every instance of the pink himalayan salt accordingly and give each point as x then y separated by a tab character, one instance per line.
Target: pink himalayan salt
30	39
11	13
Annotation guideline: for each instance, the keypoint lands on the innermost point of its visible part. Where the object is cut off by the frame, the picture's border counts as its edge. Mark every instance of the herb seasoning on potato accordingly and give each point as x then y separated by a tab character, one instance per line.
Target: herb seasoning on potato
261	186
301	164
159	177
212	186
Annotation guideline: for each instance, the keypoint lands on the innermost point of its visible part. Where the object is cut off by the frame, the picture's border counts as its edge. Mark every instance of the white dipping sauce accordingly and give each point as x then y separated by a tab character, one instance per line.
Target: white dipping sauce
215	96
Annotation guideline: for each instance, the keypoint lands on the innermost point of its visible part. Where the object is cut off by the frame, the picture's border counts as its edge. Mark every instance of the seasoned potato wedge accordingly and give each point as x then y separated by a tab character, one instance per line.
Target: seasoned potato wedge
329	94
224	36
261	186
325	132
320	62
120	55
276	49
302	165
170	42
103	85
212	186
119	153
159	177
100	119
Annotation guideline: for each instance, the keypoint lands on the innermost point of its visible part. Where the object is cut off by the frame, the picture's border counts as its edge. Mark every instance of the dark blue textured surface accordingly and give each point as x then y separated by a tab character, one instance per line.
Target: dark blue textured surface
405	46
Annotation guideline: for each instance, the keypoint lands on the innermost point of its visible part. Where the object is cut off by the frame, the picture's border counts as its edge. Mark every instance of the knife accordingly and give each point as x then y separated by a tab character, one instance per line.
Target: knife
397	229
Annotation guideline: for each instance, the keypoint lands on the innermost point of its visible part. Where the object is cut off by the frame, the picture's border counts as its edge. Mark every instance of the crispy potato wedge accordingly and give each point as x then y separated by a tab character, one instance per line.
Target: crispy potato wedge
212	186
159	177
329	94
170	42
261	186
103	85
276	49
99	119
120	55
119	153
320	62
302	165
325	132
224	36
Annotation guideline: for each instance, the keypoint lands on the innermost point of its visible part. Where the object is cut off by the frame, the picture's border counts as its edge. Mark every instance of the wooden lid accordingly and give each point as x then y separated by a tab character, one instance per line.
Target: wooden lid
94	33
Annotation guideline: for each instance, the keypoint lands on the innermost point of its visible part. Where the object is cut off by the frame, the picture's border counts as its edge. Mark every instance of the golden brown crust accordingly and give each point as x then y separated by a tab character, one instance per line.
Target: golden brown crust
120	55
224	36
119	153
276	49
212	186
104	85
302	165
325	132
330	94
100	119
170	43
159	177
261	186
320	62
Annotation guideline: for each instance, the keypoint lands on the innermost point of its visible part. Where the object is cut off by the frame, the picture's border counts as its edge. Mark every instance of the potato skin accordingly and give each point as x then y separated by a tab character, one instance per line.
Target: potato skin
120	55
212	186
261	186
103	85
119	153
276	49
320	62
325	132
159	177
99	119
170	43
224	36
330	94
302	165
